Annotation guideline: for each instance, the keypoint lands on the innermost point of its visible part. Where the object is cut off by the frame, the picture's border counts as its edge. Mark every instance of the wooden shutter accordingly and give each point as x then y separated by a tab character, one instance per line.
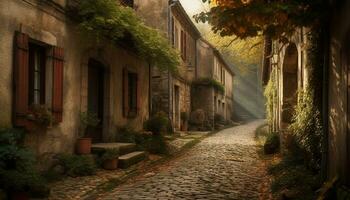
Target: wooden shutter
185	46
138	94
125	92
57	87
21	76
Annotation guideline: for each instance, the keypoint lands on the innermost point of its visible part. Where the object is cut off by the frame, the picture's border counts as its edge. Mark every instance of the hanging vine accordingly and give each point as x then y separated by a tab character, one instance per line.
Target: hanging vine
108	19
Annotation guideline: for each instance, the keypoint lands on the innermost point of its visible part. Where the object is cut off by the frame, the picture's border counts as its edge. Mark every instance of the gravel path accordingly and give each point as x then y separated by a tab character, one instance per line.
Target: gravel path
223	166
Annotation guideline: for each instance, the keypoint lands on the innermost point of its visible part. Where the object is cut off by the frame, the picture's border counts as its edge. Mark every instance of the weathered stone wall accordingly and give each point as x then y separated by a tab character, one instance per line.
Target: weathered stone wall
43	23
205	60
203	98
338	107
157	14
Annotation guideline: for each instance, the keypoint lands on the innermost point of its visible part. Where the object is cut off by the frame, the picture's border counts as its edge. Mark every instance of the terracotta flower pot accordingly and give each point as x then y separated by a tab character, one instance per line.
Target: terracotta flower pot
111	164
83	146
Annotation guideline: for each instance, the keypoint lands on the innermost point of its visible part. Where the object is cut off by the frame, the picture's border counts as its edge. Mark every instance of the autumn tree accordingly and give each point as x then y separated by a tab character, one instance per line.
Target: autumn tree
275	18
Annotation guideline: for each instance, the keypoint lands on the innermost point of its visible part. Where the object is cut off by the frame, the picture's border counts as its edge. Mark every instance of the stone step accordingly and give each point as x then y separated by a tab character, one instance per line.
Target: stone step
124	148
129	159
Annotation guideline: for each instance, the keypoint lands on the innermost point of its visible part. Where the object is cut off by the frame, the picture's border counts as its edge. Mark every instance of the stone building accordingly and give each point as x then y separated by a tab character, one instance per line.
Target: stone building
212	66
171	92
338	87
287	63
46	61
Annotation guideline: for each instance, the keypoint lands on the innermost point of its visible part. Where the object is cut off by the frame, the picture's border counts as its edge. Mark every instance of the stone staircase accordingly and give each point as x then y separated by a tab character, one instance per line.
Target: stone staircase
128	155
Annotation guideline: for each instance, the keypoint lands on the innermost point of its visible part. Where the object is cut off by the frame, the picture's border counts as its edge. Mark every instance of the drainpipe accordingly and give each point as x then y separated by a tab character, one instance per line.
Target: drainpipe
172	3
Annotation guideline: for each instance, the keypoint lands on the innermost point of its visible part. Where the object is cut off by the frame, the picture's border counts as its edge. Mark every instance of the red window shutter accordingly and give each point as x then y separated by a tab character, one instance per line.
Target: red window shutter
125	92
185	46
138	93
21	75
57	87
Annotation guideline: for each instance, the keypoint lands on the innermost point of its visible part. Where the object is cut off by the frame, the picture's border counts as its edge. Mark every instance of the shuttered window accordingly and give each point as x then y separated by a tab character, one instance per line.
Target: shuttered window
30	78
20	78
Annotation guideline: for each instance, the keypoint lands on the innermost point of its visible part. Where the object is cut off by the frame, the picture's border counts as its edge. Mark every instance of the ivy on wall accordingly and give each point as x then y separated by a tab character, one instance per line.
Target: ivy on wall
307	124
210	82
108	19
270	94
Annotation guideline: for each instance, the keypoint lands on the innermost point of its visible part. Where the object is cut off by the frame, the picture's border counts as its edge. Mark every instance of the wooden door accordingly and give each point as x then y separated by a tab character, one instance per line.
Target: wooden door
95	98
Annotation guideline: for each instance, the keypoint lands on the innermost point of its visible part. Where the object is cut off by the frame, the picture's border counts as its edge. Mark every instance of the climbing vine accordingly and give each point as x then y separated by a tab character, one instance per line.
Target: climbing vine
306	124
270	94
108	19
211	82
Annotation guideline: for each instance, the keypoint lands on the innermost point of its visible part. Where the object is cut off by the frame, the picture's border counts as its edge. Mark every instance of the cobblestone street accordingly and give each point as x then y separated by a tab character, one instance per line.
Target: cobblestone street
223	166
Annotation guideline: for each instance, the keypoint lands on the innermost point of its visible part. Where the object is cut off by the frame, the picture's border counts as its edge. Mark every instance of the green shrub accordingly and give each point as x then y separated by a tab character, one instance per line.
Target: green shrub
272	143
110	154
77	165
210	82
155	144
18	172
157	124
307	129
126	134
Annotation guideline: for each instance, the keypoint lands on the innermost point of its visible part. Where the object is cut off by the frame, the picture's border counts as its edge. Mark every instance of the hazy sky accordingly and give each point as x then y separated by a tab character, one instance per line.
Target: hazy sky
193	6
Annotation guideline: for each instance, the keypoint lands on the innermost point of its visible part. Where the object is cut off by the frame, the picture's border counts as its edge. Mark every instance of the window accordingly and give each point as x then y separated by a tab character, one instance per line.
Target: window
131	99
30	69
37	59
132	93
183	40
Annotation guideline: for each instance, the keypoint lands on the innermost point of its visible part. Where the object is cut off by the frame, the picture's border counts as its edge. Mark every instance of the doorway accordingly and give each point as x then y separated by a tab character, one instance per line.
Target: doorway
290	84
96	74
177	106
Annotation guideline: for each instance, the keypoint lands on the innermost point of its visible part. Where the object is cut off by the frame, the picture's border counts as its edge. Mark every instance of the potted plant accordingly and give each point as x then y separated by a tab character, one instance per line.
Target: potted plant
184	119
110	159
90	119
39	117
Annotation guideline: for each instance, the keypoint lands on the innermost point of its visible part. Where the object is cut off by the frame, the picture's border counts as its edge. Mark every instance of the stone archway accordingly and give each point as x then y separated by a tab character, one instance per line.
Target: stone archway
290	84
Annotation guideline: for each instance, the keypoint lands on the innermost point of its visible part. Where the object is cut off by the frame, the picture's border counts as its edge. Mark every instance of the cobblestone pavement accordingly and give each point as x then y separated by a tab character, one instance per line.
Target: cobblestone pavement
223	166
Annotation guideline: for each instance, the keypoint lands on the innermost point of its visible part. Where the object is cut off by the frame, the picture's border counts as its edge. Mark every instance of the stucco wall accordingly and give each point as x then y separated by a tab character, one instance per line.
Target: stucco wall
52	28
154	13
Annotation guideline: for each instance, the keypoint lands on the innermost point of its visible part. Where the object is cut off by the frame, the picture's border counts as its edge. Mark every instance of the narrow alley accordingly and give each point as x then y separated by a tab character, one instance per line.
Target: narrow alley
223	166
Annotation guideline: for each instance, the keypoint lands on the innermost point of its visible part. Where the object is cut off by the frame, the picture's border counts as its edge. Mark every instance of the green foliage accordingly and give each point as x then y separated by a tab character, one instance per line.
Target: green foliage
108	19
307	128
157	124
291	174
278	19
270	94
155	144
41	115
210	82
272	143
88	119
77	165
18	172
126	134
110	154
